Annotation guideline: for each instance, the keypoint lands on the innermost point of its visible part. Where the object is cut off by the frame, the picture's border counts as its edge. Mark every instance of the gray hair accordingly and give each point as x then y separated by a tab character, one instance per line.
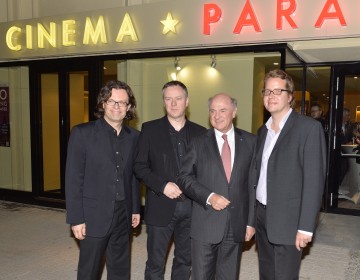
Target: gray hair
233	101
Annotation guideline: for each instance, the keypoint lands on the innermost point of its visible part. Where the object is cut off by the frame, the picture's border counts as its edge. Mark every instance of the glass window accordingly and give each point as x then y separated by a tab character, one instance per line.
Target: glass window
349	163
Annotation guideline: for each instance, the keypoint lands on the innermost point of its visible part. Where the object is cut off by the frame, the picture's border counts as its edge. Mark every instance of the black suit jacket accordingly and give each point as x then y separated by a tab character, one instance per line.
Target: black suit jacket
203	173
295	177
156	164
90	177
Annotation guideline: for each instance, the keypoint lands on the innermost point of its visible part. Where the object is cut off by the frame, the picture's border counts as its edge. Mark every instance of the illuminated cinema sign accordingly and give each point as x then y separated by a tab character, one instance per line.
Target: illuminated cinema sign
180	24
92	33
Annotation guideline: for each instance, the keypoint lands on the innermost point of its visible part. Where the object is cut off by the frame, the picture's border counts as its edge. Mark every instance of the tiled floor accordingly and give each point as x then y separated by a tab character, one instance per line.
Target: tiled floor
36	245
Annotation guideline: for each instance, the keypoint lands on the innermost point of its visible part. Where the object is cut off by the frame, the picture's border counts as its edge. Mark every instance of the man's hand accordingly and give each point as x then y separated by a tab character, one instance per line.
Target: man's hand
218	202
79	231
250	231
302	240
172	191
135	220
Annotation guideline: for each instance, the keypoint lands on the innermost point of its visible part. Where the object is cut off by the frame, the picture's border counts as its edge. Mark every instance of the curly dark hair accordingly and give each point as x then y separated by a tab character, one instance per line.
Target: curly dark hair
105	94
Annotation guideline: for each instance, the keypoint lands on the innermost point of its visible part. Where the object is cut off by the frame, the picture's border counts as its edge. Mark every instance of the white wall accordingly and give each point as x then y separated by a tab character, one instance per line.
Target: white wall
233	75
15	163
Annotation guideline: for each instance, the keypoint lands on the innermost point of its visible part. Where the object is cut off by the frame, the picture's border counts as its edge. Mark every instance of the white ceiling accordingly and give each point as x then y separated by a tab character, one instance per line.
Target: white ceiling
332	50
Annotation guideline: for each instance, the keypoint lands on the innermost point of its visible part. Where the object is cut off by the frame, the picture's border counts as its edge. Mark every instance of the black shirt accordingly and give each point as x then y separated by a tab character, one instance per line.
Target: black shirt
179	140
118	152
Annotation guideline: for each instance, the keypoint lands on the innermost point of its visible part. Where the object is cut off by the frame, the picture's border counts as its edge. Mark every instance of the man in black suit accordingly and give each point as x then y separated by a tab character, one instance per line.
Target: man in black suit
102	194
161	146
289	167
214	175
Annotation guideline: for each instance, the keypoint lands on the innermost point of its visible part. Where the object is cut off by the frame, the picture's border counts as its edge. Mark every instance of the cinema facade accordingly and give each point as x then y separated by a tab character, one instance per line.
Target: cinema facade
54	57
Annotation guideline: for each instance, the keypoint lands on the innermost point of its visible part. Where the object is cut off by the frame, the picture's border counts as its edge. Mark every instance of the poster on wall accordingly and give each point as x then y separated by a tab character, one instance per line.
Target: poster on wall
4	117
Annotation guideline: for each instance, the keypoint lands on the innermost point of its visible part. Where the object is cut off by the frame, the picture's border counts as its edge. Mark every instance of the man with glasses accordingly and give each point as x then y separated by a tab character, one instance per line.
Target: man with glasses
289	175
102	194
161	146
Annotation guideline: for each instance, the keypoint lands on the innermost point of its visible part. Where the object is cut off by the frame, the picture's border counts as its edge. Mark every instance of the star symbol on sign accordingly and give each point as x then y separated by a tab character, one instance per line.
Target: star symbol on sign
169	24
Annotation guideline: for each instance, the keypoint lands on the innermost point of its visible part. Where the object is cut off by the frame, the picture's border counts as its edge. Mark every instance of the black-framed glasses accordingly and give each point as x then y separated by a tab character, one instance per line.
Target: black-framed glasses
112	103
275	91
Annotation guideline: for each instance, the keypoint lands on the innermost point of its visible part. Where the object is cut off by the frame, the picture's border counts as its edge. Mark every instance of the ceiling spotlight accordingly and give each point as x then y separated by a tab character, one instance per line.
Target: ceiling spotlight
176	64
213	61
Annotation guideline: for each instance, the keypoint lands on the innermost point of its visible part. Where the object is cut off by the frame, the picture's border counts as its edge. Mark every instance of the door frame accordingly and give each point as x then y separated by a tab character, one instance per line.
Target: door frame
338	73
60	66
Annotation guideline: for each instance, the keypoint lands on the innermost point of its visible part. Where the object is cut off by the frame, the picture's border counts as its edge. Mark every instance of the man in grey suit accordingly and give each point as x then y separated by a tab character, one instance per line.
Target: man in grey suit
102	194
289	167
214	175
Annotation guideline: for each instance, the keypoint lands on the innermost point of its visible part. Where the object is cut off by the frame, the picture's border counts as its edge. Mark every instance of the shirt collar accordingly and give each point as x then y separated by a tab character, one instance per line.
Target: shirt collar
282	122
172	129
230	133
109	128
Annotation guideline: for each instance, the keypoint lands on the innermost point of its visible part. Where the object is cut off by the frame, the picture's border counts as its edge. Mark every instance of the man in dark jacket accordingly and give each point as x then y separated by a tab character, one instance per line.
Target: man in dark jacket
161	146
102	194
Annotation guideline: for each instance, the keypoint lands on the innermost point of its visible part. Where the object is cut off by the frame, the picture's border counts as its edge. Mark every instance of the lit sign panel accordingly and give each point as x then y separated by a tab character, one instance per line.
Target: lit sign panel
179	24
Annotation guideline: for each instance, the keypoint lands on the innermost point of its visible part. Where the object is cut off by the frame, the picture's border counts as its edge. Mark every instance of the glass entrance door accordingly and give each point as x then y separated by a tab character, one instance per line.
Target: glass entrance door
50	127
62	101
56	117
344	162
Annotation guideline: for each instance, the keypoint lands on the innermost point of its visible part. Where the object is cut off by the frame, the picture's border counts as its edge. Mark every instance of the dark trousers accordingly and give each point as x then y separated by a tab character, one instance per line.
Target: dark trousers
158	244
216	261
115	244
276	261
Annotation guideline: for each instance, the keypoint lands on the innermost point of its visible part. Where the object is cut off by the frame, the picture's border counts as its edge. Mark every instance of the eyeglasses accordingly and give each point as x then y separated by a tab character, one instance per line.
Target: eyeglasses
275	91
112	103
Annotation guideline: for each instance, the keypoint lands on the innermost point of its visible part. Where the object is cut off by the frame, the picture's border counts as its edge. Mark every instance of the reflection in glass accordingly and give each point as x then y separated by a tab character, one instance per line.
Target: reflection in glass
349	175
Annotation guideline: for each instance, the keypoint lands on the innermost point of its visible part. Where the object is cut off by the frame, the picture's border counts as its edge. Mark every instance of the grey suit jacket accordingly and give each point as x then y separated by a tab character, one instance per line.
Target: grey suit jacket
295	177
203	173
90	177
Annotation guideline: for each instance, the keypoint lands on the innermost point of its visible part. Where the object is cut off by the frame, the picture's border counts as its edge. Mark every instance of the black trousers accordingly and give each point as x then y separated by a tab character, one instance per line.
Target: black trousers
158	243
219	261
115	244
276	261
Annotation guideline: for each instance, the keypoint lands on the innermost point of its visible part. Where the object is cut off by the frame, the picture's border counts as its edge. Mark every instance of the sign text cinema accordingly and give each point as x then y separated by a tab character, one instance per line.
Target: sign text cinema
93	33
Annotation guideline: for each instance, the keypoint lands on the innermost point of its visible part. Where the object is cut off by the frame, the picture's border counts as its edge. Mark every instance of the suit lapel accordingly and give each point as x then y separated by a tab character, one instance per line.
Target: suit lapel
126	143
260	147
290	123
167	143
104	139
238	151
214	150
